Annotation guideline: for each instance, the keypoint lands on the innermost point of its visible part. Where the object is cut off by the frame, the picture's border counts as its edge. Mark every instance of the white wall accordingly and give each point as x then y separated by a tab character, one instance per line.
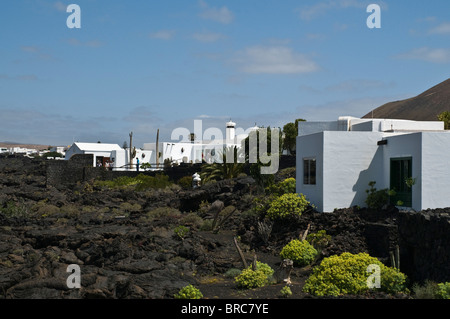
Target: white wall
351	161
306	128
309	146
121	158
72	151
436	170
347	161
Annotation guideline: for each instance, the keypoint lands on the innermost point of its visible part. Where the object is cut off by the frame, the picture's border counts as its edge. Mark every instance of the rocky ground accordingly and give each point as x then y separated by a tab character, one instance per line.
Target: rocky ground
127	243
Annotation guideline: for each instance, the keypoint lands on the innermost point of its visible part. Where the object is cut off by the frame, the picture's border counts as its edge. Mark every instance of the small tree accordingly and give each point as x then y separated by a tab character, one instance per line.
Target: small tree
289	138
290	132
445	117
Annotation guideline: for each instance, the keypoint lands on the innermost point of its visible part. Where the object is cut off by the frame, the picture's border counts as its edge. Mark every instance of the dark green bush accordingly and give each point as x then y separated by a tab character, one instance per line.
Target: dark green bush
376	199
185	182
319	240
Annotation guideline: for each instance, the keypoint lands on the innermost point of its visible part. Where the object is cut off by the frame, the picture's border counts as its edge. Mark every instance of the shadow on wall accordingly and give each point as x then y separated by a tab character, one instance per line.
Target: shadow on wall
373	173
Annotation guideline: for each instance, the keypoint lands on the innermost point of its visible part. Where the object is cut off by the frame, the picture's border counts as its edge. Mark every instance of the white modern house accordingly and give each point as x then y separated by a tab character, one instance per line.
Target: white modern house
336	160
109	155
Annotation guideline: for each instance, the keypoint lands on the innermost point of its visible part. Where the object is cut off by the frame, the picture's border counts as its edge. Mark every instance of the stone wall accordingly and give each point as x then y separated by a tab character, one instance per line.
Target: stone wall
65	173
424	240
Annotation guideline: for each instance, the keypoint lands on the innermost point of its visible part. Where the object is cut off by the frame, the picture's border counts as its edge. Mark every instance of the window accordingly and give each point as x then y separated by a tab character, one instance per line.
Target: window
309	171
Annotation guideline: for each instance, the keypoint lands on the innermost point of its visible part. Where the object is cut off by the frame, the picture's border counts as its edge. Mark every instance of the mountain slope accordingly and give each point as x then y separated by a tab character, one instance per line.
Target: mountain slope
424	107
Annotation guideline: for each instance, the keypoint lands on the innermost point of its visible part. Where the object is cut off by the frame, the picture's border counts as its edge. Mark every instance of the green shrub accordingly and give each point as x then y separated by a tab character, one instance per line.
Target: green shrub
157	181
287	205
42	209
13	209
265	268
232	273
286	292
376	199
185	182
347	274
426	291
189	292
286	186
302	253
262	203
443	291
249	278
181	231
192	219
162	212
140	182
319	240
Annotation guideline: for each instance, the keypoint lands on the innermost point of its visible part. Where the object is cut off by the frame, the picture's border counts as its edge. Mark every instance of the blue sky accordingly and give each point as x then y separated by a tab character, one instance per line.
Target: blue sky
142	65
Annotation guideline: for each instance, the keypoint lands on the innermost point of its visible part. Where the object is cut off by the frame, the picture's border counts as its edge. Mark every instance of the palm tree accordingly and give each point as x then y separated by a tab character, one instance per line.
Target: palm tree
224	170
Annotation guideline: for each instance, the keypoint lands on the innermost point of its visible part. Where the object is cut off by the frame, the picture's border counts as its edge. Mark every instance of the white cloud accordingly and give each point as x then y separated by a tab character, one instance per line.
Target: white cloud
208	37
37	53
162	34
91	44
28	125
273	60
443	28
23	77
428	54
222	15
58	5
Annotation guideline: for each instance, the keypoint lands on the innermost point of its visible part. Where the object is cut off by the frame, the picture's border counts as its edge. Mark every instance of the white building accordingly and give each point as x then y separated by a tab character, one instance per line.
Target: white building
337	160
23	151
200	149
109	155
59	149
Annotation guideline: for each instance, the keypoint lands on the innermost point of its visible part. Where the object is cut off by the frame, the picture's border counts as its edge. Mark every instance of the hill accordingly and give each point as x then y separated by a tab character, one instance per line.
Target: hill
424	107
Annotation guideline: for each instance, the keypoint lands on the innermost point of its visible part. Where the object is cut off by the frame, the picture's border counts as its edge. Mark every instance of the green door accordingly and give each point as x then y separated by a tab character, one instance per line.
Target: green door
401	170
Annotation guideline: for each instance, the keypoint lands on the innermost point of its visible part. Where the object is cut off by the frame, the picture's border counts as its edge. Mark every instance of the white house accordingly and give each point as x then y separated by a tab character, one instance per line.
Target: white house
109	155
200	149
336	161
